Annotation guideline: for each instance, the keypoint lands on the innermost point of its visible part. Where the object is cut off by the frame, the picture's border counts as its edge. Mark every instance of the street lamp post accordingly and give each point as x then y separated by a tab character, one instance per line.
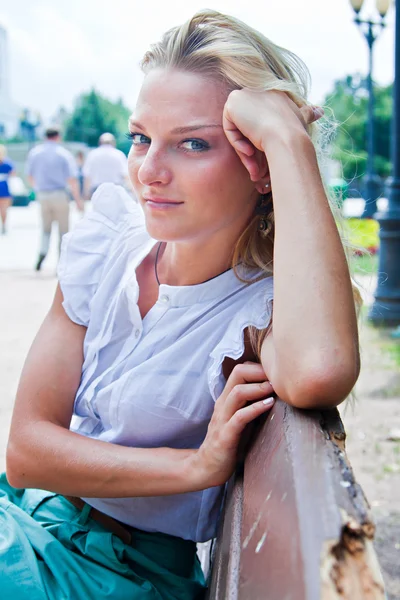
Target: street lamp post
386	308
371	30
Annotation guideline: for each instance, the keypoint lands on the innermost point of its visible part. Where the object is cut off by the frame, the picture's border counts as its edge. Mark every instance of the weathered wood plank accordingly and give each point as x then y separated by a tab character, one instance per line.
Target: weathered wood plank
296	525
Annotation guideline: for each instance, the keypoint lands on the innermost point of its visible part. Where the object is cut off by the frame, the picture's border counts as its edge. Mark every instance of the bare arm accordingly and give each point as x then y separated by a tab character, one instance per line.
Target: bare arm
43	453
311	357
312	352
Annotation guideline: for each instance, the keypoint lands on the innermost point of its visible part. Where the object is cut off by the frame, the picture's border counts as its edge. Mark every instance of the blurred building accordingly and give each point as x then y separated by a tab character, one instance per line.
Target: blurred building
9	111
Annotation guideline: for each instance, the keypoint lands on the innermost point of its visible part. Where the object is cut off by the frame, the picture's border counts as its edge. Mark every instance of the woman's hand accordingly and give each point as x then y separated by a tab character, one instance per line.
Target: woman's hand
250	119
216	458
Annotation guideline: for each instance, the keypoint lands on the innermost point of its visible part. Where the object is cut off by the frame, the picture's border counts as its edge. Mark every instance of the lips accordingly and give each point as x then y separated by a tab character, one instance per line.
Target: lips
161	201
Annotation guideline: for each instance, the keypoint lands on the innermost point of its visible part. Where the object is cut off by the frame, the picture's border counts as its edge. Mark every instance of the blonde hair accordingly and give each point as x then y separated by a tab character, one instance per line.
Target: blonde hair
3	152
225	48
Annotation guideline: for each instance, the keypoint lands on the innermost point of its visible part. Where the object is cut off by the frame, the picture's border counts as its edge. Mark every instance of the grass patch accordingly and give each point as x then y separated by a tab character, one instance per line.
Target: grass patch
363	236
393	351
363	233
364	265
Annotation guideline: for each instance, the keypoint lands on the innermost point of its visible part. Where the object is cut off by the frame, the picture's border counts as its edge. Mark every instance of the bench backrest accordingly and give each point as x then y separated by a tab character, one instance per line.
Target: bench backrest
296	525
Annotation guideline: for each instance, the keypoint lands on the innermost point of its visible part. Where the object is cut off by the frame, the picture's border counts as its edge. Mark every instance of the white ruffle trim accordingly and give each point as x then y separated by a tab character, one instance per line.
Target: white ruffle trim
232	345
85	249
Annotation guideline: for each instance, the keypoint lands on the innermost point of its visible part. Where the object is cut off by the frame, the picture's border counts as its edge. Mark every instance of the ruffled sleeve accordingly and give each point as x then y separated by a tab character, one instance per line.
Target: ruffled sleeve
85	249
255	310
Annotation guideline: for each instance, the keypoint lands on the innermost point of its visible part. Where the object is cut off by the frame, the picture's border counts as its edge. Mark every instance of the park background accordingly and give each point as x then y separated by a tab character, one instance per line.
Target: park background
76	65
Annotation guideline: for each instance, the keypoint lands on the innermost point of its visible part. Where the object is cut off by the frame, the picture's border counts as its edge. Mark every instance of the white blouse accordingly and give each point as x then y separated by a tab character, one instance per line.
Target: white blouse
150	382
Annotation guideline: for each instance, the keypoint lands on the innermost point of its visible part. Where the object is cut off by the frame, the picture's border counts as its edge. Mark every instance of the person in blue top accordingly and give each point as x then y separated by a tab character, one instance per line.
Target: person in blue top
6	170
176	320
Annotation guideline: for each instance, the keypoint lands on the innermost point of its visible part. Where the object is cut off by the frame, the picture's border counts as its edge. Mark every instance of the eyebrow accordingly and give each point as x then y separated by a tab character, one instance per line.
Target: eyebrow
194	128
180	130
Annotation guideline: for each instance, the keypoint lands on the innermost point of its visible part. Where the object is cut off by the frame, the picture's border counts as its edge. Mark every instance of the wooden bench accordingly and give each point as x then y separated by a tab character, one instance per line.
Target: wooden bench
296	525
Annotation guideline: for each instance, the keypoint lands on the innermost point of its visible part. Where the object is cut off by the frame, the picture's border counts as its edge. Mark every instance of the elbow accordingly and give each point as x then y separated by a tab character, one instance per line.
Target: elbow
19	465
13	470
322	386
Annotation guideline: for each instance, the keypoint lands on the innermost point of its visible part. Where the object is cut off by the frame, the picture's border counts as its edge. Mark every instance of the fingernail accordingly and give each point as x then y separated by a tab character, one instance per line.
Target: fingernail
269	400
318	111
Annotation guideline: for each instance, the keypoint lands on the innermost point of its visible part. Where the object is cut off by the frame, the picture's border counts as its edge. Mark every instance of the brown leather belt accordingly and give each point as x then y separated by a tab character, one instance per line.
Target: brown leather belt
106	521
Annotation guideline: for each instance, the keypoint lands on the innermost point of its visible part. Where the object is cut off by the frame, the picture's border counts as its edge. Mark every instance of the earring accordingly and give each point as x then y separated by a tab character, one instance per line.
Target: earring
263	209
264	227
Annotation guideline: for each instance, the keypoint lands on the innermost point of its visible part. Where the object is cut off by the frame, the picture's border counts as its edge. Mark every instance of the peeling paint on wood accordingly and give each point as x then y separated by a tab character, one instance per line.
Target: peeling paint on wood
349	567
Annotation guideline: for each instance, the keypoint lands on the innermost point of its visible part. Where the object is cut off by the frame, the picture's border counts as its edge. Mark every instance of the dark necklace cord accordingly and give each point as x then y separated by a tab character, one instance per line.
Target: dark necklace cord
156	262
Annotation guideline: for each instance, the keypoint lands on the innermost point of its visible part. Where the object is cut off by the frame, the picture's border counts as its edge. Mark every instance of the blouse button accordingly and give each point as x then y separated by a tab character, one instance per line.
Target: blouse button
137	333
164	299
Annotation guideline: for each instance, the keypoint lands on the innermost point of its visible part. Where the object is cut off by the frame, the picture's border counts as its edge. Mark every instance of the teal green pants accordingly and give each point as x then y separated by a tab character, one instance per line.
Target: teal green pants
49	550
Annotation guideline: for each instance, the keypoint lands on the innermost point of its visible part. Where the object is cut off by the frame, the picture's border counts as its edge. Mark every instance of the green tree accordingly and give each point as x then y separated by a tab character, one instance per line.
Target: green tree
93	115
349	104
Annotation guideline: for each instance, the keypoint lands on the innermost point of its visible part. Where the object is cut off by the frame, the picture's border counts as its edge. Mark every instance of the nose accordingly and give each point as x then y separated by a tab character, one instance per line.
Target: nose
154	168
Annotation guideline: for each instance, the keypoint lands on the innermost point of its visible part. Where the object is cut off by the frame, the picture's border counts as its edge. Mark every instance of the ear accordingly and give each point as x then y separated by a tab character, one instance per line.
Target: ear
263	186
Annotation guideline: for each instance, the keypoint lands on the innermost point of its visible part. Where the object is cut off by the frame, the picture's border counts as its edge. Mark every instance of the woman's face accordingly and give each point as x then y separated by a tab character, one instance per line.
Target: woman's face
186	175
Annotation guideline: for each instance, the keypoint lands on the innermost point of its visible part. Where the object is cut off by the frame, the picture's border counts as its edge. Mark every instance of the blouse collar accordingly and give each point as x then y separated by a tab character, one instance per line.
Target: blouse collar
217	288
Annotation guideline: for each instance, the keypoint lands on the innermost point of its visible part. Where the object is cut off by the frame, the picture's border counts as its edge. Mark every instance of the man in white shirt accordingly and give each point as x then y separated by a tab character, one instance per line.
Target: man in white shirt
105	164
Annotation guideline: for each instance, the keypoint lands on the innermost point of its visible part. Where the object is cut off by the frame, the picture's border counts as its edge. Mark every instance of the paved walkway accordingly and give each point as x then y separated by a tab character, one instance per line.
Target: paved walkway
20	247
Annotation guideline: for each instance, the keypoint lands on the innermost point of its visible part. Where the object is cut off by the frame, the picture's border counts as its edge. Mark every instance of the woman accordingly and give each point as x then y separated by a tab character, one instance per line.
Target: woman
6	170
159	347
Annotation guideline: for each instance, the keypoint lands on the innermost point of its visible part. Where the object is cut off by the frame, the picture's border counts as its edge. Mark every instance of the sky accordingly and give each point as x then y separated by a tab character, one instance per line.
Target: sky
59	49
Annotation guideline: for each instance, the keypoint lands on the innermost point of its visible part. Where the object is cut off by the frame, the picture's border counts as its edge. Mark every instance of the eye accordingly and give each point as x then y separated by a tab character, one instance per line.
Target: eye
195	145
138	139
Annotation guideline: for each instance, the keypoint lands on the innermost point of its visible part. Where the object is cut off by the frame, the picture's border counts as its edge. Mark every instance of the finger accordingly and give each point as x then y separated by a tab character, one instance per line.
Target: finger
248	372
318	112
235	137
251	165
241	395
238	141
244	146
310	114
243	417
256	165
231	131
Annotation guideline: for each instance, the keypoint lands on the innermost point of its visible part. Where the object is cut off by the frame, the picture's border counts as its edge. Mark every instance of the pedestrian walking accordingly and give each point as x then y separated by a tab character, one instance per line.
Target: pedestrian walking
51	169
105	164
173	325
6	171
